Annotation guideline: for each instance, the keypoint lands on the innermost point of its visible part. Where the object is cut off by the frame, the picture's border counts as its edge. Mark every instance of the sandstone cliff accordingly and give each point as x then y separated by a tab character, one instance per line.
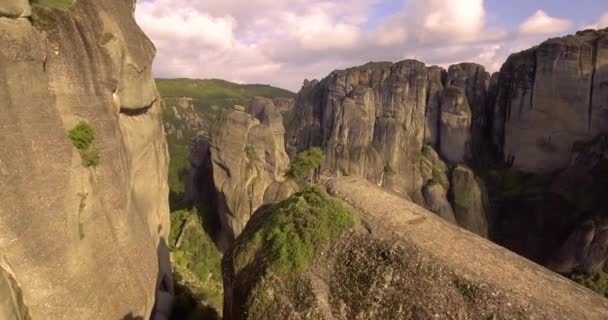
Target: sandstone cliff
550	97
390	265
245	162
372	121
78	242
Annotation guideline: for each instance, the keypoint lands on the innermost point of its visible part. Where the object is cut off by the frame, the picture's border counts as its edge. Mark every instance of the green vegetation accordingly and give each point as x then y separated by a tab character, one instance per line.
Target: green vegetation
106	38
82	137
209	100
597	281
52	4
432	168
207	93
250	152
305	163
196	261
291	231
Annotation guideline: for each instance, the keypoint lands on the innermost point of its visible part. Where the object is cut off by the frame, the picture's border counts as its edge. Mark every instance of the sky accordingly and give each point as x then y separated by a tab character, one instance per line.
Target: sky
283	42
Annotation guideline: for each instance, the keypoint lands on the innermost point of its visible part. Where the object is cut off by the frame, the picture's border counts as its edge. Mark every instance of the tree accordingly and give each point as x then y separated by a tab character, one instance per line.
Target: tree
305	164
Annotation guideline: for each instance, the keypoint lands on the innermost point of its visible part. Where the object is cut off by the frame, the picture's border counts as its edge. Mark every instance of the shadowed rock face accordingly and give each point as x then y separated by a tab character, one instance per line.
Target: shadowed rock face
551	96
70	233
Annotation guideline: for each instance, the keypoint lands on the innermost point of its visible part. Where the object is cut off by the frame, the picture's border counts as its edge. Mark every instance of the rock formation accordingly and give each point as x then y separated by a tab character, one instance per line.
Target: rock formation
78	242
373	120
246	160
401	262
455	126
550	97
468	201
370	121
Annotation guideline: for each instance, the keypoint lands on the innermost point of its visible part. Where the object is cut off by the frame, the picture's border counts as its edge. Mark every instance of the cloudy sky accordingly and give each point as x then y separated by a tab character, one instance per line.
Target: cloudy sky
283	42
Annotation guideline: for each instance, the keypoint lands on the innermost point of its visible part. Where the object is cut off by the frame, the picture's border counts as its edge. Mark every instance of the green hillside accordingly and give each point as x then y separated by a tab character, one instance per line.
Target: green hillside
192	107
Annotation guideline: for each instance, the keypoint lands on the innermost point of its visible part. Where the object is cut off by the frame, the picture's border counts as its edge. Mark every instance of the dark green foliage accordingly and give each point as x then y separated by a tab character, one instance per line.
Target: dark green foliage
293	229
197	262
305	163
106	38
597	281
82	137
250	152
52	4
90	157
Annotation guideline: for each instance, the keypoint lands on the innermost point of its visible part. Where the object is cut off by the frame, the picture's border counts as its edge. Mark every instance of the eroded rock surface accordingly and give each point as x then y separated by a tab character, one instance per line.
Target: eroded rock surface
455	126
246	160
468	201
551	96
69	232
395	266
370	121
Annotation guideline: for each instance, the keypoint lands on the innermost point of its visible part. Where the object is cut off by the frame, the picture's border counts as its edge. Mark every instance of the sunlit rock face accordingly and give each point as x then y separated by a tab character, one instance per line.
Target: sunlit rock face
550	97
78	242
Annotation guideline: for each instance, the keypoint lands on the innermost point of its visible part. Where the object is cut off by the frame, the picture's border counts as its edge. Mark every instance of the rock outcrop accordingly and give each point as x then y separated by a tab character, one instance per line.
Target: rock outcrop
550	97
455	126
246	160
69	233
476	84
468	201
393	265
370	121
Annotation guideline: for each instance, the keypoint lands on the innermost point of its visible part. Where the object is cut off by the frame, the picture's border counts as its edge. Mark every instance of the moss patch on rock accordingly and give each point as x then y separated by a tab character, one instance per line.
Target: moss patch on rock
292	230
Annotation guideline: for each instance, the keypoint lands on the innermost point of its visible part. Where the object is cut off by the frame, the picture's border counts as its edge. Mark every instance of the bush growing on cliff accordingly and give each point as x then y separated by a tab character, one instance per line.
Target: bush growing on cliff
597	281
293	230
196	260
82	137
305	163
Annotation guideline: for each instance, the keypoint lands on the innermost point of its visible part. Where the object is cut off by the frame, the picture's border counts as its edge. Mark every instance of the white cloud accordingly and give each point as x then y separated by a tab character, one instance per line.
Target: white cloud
282	42
542	23
600	24
458	20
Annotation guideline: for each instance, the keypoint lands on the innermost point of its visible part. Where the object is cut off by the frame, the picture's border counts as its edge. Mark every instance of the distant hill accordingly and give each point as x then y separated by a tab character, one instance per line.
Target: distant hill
191	107
209	92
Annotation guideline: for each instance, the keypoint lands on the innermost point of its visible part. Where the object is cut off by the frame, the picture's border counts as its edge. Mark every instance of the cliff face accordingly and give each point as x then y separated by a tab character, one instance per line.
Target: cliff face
244	161
550	97
392	265
372	121
80	242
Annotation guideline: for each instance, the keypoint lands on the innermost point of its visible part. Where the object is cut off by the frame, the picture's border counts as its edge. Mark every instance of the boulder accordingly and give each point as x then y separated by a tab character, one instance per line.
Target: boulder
468	201
436	201
15	9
